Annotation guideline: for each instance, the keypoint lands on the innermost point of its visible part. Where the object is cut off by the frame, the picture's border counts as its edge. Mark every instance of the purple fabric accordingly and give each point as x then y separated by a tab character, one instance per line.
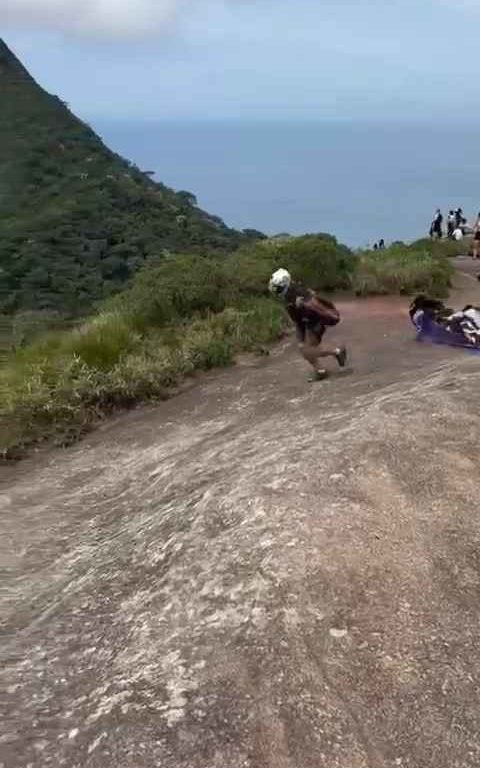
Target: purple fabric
427	328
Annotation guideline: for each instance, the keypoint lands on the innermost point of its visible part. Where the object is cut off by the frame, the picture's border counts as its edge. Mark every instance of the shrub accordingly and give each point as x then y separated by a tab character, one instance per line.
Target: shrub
402	270
175	289
445	247
317	260
102	341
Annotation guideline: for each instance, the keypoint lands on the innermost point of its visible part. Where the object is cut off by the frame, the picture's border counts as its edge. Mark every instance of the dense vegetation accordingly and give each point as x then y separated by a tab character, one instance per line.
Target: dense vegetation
76	220
181	314
422	266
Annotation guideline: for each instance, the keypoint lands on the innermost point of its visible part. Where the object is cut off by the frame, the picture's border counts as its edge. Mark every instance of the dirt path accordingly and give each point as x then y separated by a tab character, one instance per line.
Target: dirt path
259	573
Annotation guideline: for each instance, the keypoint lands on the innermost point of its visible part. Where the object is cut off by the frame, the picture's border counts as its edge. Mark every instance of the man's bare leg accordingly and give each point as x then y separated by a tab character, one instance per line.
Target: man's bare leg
313	351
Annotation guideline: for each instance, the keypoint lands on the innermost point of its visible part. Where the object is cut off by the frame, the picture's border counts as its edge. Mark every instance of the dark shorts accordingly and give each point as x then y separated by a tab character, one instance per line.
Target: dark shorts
316	329
477	235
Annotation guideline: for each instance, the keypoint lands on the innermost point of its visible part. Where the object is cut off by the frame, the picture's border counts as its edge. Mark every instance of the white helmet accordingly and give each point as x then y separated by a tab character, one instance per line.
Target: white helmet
280	282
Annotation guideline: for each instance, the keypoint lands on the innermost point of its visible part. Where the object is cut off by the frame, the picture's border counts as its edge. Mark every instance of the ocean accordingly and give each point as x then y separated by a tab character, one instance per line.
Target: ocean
359	182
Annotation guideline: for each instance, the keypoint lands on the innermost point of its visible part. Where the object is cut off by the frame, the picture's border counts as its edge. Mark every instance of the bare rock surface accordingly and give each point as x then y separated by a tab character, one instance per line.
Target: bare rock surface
260	573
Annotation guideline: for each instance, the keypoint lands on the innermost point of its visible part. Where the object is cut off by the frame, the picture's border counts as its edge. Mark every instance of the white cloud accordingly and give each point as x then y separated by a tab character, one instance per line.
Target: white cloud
104	18
142	18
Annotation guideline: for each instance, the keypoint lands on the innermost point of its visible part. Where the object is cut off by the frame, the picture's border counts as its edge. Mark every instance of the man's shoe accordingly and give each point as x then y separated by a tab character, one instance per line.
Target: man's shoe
318	376
341	357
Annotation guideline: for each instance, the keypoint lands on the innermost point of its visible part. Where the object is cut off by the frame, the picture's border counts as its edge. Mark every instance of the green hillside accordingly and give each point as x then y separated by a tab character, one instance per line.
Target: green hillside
77	220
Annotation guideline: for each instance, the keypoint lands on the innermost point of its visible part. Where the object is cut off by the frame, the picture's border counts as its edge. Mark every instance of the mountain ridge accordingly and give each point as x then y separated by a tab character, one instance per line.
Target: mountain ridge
76	219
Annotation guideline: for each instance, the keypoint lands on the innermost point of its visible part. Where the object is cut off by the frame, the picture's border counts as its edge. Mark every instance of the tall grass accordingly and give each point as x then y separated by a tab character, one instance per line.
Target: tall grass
61	386
402	270
444	247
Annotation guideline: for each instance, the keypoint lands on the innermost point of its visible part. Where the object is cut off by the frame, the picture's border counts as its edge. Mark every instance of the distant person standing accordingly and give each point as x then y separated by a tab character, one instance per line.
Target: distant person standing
451	224
381	244
436	228
476	238
460	219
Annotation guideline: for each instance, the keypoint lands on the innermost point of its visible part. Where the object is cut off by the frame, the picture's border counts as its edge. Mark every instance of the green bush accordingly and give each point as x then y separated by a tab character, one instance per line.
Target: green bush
402	270
181	286
317	260
174	289
102	341
444	247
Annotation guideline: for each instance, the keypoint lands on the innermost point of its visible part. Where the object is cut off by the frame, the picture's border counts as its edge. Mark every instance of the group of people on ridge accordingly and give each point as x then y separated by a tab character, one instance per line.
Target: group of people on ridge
456	224
457	228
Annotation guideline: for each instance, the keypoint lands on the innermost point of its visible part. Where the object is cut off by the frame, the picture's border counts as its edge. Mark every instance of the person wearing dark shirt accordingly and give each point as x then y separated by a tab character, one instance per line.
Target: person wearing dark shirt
436	228
460	219
312	316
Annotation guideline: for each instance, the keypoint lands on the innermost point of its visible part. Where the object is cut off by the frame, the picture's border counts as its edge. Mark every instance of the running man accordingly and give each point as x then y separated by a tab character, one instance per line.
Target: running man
311	315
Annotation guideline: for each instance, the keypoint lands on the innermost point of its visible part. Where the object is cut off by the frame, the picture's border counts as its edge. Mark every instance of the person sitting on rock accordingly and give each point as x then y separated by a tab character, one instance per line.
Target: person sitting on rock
464	322
432	308
312	316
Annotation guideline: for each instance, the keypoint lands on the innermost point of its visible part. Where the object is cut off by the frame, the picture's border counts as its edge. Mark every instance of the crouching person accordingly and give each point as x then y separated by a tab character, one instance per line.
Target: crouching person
468	322
312	316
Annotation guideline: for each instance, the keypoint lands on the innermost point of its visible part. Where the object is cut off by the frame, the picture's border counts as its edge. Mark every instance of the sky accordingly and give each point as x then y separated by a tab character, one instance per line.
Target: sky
252	59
